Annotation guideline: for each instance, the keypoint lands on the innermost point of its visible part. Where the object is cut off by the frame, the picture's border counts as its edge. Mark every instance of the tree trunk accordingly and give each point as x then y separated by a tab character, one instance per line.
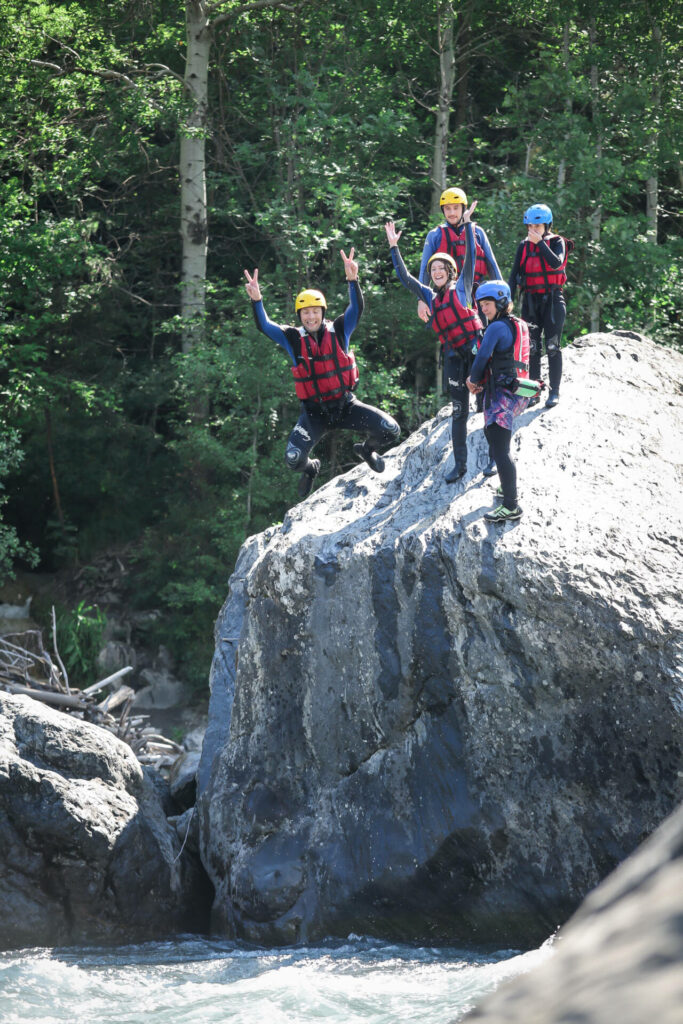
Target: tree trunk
562	168
193	215
596	218
443	110
445	19
652	182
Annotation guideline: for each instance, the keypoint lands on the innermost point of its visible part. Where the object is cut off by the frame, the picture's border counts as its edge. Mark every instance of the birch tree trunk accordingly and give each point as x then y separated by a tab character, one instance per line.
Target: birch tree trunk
446	77
652	182
562	168
193	212
445	19
596	217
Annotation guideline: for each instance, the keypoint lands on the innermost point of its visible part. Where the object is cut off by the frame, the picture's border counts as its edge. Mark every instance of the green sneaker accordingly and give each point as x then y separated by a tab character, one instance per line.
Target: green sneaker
503	515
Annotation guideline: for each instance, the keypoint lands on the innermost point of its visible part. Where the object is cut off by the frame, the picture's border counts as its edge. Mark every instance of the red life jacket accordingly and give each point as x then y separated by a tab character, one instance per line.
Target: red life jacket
324	372
513	361
455	324
453	242
534	273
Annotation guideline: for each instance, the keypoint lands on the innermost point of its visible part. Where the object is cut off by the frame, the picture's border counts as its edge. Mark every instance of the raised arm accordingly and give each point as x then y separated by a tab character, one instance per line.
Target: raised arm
421	291
264	324
349	321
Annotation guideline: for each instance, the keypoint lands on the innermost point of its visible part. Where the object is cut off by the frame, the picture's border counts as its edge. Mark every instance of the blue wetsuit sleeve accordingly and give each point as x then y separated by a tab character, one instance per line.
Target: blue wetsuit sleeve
514	275
345	325
272	330
491	264
432	242
496	335
421	291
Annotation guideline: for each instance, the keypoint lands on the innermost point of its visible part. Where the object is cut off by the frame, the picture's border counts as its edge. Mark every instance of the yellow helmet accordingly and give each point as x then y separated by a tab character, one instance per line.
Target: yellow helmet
309	297
445	257
453	195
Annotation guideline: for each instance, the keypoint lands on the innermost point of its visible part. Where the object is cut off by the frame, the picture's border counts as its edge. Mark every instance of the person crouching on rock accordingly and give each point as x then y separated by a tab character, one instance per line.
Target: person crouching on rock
456	322
502	356
325	374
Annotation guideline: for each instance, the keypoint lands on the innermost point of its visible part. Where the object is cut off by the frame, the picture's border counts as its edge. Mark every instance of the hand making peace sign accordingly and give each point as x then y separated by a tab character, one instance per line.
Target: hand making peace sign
252	285
350	265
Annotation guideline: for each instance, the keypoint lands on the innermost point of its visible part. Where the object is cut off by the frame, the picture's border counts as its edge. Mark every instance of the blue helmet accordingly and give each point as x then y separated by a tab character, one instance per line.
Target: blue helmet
539	213
496	290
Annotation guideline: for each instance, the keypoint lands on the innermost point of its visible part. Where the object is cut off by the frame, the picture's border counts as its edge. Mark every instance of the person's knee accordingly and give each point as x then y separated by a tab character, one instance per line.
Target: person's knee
295	458
390	429
552	344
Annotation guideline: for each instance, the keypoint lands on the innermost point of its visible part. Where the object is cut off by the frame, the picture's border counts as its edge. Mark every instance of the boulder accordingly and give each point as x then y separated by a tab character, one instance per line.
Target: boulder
619	958
428	728
86	852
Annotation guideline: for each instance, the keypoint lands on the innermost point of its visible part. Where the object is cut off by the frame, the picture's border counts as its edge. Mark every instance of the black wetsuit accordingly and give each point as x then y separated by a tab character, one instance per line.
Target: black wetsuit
545	311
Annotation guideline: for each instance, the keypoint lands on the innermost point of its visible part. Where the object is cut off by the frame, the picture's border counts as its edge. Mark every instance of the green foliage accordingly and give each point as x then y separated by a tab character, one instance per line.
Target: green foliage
321	125
79	638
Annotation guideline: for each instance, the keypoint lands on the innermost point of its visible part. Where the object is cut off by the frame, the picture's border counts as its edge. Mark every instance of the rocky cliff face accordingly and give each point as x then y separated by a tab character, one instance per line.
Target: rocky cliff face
619	958
86	852
444	730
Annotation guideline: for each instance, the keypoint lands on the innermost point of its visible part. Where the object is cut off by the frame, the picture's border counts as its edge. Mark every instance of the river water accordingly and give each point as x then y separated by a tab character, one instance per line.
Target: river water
359	981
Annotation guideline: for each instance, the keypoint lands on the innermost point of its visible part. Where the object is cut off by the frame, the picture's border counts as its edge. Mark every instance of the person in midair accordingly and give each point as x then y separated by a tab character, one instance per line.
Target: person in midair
325	375
503	357
452	316
540	272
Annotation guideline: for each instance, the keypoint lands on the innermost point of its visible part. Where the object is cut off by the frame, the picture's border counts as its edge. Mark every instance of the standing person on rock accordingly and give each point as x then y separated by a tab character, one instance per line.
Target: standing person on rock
451	314
450	237
503	356
325	374
540	272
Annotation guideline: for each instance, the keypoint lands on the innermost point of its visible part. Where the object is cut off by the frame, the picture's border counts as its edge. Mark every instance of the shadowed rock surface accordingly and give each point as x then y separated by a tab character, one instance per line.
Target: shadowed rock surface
620	958
446	731
86	853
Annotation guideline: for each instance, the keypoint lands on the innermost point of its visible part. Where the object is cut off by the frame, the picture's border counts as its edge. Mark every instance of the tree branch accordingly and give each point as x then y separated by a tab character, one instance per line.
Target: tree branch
251	5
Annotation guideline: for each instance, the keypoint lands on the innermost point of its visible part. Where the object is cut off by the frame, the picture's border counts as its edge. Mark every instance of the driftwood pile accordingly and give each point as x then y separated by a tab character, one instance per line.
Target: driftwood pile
26	667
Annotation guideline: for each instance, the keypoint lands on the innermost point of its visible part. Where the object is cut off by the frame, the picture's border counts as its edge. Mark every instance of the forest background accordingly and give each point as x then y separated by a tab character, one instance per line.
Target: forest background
140	174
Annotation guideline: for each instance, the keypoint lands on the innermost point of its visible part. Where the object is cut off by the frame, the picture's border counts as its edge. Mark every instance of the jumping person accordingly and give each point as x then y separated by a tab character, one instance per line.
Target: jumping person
325	374
450	237
539	271
503	356
456	322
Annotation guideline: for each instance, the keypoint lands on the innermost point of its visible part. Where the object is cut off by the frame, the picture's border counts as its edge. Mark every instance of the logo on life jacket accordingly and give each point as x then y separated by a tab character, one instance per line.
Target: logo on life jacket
455	324
324	372
453	242
534	273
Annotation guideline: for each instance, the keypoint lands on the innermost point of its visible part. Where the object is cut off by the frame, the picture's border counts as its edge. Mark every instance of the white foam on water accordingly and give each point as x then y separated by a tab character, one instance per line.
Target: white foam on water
196	981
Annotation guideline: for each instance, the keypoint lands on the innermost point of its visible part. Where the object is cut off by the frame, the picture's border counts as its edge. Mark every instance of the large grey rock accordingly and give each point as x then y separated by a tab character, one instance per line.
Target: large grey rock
620	958
448	731
86	853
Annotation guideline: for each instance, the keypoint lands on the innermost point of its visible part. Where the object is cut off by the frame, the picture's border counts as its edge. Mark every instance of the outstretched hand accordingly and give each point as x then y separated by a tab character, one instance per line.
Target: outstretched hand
392	234
252	285
423	311
467	215
350	265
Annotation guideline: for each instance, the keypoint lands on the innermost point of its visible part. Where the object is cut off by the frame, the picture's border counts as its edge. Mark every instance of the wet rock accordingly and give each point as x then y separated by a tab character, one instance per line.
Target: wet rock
619	958
429	728
86	853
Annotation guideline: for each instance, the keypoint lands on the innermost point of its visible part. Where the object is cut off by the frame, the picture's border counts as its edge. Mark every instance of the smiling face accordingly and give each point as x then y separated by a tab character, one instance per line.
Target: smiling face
440	273
311	318
453	212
